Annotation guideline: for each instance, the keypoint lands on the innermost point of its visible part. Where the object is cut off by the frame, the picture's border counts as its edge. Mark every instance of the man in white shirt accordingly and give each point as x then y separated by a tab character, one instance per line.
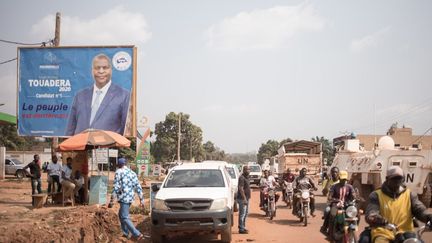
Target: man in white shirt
54	172
67	182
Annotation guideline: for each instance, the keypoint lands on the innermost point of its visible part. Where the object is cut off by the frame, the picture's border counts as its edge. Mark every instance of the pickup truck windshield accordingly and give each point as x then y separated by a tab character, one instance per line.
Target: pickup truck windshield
195	178
254	168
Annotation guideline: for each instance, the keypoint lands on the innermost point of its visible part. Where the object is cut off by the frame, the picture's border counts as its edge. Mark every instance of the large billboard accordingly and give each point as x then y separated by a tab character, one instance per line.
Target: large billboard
63	91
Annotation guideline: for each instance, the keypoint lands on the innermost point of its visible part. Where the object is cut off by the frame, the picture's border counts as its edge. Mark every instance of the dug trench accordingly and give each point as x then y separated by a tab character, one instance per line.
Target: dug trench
74	224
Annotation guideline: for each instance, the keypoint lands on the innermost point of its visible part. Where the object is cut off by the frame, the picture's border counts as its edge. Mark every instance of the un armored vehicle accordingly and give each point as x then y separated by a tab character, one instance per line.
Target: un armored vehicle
367	169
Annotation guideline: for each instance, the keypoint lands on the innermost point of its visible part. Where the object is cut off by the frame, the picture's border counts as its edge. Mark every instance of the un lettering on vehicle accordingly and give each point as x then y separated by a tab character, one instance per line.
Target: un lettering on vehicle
409	178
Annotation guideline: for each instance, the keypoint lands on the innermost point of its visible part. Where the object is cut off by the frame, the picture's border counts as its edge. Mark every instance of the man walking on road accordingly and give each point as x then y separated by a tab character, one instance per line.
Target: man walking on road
125	184
244	194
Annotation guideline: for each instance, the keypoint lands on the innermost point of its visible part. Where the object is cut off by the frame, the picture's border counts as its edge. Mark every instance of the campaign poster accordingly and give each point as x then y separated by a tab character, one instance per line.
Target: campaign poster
63	91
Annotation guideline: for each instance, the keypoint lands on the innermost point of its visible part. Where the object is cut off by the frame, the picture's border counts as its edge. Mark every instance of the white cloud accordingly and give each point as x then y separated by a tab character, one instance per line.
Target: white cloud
369	41
115	27
264	28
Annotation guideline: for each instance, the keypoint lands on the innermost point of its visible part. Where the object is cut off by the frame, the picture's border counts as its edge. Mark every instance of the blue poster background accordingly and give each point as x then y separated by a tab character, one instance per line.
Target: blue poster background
49	78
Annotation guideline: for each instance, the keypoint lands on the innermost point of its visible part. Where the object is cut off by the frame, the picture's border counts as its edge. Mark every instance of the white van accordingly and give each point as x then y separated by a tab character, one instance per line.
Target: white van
255	173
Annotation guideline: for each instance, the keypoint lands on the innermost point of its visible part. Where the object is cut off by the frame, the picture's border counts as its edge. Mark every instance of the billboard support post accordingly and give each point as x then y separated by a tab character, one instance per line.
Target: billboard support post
55	140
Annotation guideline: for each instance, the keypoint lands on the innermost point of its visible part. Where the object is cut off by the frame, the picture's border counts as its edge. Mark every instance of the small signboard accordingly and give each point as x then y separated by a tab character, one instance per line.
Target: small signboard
156	170
100	156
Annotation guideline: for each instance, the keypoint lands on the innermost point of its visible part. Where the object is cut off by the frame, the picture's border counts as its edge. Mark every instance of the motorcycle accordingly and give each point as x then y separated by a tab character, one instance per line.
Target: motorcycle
418	238
270	198
344	222
289	192
303	205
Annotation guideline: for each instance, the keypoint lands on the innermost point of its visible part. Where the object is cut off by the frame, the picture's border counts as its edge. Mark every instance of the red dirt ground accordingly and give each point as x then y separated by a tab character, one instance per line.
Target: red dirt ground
21	223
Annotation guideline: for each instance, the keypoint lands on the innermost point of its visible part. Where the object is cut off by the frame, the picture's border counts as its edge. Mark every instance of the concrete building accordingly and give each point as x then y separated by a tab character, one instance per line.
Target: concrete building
402	136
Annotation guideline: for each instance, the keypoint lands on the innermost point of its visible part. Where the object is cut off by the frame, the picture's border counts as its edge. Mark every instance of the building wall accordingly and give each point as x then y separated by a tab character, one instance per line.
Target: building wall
401	136
27	156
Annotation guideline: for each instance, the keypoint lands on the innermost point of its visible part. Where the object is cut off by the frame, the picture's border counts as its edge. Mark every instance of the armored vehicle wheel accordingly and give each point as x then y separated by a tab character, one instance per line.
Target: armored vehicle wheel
426	197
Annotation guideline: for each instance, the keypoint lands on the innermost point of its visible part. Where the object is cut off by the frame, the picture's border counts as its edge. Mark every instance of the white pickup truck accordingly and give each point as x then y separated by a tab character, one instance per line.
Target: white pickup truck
193	198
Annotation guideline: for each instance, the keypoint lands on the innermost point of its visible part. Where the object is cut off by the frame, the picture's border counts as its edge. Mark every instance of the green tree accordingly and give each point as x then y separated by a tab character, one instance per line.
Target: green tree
130	152
212	152
267	150
9	138
209	148
165	146
327	147
286	140
241	158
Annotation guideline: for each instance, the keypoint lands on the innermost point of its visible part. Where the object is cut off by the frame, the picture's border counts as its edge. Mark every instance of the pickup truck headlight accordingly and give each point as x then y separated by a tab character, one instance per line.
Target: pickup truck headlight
220	203
159	204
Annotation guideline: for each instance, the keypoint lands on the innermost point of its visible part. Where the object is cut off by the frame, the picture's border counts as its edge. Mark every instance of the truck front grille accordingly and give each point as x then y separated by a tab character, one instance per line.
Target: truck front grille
186	220
188	204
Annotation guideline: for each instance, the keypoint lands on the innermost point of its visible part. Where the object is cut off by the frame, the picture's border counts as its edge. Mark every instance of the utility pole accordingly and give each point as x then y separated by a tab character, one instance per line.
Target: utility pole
178	138
55	140
57	30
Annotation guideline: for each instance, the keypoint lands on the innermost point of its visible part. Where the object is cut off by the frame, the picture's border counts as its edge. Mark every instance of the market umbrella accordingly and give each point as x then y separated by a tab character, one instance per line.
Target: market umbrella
92	138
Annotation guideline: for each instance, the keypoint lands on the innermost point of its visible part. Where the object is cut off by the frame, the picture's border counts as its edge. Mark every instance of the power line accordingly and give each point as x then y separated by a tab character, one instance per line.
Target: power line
43	43
424	134
10	60
411	111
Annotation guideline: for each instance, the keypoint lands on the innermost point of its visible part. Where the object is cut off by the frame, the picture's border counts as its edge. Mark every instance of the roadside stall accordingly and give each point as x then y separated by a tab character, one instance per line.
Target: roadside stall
80	145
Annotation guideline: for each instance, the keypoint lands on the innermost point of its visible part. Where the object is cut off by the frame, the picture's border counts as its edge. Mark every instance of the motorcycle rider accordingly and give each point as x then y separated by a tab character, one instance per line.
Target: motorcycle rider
289	177
303	182
394	203
267	181
340	193
328	183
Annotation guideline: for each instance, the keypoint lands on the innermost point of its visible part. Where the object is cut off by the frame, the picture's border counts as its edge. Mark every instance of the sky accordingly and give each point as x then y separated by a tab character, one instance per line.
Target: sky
247	71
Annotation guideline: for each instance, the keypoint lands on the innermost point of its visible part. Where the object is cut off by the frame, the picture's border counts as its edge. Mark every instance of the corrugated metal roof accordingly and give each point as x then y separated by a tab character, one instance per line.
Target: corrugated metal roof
302	146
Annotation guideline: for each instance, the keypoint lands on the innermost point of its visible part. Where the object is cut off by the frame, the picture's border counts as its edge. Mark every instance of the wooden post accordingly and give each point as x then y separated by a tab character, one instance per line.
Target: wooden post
55	140
179	137
57	30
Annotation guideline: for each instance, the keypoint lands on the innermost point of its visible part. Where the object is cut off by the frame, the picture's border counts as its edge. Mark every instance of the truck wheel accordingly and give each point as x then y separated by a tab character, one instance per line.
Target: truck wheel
426	196
20	174
226	235
157	238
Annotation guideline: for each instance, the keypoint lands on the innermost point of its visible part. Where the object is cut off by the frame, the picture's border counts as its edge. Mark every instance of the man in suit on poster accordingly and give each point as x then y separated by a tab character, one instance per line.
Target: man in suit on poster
104	105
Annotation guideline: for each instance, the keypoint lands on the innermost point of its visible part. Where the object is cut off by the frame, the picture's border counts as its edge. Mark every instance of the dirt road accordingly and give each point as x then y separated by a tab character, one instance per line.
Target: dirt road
20	223
282	229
